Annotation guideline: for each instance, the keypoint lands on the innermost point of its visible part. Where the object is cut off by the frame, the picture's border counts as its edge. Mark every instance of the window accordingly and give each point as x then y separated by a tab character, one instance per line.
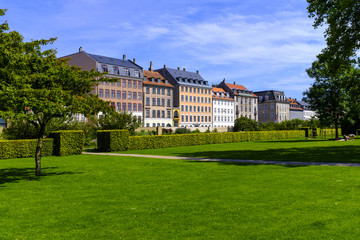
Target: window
163	114
187	118
182	88
107	93
134	84
147	90
190	98
127	72
209	109
186	98
205	109
104	67
190	118
186	89
147	101
154	101
123	95
119	83
118	106
198	118
198	90
129	83
134	106
168	114
205	100
202	99
182	118
205	118
129	107
168	104
202	118
134	95
124	82
186	108
198	100
158	113
163	102
116	70
118	94
182	98
153	113
190	90
101	93
139	95
113	84
124	106
168	92
139	85
158	90
202	91
158	101
190	108
147	113
137	73
153	90
101	83
163	91
129	95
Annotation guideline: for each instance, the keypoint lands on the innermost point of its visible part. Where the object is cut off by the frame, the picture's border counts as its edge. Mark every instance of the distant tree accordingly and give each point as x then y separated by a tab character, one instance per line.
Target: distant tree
36	87
245	124
117	120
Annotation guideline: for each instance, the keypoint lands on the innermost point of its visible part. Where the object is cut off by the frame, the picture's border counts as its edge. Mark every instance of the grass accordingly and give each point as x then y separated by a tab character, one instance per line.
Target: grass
301	150
112	197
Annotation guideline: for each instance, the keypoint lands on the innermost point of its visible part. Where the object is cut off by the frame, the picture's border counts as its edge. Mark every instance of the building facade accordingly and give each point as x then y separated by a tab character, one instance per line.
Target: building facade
273	106
123	95
192	96
246	104
223	108
307	113
158	99
296	111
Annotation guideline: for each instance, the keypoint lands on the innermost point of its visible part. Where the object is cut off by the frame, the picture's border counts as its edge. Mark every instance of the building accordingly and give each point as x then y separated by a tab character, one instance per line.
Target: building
223	108
158	99
307	113
192	97
273	106
296	110
245	100
123	95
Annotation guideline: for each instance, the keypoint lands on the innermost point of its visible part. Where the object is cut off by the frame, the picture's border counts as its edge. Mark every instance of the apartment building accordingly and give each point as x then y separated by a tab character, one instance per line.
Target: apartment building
158	98
245	101
192	97
223	108
296	110
273	106
123	95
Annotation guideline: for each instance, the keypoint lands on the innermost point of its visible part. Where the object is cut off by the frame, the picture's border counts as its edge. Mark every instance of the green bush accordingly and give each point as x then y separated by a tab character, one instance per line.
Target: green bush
68	142
24	148
245	124
113	140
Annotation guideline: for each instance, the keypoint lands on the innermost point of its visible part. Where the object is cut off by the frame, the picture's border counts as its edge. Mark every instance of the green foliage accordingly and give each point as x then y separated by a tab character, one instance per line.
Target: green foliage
19	129
23	148
196	131
69	142
112	140
117	120
245	124
182	131
150	142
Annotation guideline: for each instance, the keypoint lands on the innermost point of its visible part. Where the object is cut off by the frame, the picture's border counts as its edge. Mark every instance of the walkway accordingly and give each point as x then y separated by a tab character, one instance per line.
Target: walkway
232	160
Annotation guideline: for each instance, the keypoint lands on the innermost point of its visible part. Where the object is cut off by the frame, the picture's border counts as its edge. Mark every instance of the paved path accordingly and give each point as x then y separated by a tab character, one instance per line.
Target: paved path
232	160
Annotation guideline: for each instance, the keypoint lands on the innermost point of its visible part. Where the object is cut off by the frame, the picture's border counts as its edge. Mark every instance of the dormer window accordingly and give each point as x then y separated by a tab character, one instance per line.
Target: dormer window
152	79
260	98
166	81
218	94
104	67
127	72
137	73
116	70
266	97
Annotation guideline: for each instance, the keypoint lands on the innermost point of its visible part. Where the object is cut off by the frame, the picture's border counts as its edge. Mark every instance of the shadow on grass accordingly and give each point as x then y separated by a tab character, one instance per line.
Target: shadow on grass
249	164
337	154
9	175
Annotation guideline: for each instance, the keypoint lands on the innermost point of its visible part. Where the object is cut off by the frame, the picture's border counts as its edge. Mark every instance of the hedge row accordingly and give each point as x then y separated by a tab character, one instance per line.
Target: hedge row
24	148
164	141
69	142
112	140
61	143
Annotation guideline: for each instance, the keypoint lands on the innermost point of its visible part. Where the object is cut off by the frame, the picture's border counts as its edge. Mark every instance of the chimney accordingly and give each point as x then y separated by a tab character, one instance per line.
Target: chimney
134	61
164	65
151	66
184	69
234	83
197	71
178	68
124	57
81	49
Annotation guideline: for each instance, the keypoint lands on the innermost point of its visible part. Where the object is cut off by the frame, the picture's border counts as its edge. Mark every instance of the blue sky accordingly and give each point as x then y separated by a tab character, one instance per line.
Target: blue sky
260	44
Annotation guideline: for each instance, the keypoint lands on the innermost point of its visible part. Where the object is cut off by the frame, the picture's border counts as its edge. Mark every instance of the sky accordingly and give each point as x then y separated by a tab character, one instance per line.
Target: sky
260	44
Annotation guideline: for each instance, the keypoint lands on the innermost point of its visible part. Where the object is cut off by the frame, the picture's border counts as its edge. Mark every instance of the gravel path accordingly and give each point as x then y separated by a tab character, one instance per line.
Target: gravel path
232	160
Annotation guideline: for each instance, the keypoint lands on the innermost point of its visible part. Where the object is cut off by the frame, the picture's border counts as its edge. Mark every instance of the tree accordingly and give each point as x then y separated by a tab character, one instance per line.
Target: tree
342	34
245	124
327	95
36	87
117	120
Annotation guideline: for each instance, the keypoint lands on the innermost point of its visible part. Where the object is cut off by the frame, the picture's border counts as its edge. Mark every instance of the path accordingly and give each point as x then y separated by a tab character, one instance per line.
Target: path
232	160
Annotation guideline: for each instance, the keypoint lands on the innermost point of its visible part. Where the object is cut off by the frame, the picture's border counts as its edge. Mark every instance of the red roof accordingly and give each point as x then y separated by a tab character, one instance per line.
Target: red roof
220	90
235	86
155	75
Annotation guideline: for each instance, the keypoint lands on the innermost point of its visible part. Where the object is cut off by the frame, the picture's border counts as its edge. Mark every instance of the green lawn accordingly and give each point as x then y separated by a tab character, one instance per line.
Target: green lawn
280	150
112	197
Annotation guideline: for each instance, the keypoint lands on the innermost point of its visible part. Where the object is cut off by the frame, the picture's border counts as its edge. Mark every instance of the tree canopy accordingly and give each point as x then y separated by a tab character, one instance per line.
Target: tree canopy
36	87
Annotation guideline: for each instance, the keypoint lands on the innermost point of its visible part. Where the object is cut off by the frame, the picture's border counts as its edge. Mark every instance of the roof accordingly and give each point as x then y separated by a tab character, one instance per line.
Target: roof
294	105
235	86
220	90
149	74
185	77
114	61
273	95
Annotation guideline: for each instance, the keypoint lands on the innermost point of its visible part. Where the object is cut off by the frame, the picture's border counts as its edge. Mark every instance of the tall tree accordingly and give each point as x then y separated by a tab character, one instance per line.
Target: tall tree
36	87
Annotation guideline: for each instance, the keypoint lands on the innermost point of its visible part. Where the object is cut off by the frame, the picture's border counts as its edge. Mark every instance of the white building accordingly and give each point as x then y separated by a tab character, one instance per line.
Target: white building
223	108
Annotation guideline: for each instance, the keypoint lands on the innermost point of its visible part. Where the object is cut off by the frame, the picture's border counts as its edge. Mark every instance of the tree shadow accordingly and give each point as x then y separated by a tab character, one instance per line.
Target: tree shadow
340	154
241	164
10	175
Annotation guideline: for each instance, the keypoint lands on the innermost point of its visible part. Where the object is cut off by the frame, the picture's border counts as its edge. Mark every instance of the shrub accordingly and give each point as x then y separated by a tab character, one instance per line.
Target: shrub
68	142
245	124
113	140
24	148
182	131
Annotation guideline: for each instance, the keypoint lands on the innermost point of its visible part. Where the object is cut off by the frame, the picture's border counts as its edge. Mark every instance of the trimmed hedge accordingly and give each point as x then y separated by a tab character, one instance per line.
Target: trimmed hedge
164	141
68	142
112	140
24	148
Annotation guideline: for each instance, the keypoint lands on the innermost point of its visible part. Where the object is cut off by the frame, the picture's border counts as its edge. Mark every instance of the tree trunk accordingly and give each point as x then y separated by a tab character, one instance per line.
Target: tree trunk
38	156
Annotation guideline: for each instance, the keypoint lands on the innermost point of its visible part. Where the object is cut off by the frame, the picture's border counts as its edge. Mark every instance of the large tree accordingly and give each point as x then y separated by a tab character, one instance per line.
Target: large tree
36	87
